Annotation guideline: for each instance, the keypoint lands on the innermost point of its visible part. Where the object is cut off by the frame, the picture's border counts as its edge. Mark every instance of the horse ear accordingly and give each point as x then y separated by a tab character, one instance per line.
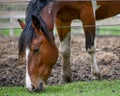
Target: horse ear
35	22
22	24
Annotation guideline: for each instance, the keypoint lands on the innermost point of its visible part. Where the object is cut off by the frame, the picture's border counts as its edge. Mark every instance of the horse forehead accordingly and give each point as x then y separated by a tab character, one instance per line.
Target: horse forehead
36	41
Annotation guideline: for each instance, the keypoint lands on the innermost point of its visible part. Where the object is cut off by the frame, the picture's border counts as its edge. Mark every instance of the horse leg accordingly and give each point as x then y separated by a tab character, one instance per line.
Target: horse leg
65	37
89	29
91	49
94	66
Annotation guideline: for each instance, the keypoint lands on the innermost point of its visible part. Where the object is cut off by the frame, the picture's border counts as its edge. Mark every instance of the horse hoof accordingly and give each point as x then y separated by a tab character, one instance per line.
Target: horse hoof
63	81
96	77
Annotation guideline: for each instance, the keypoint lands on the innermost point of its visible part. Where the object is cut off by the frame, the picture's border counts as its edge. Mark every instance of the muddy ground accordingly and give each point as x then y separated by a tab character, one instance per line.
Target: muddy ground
12	74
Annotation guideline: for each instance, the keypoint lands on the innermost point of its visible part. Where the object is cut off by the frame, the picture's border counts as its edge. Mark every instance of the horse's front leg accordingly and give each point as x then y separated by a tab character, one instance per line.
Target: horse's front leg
65	37
91	49
89	29
94	66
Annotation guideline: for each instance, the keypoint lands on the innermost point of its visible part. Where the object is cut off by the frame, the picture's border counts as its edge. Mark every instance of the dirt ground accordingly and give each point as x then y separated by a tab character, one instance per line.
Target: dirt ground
12	74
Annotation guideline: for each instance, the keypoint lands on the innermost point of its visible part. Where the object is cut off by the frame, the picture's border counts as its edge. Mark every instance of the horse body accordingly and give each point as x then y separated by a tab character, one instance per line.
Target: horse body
83	11
43	53
107	9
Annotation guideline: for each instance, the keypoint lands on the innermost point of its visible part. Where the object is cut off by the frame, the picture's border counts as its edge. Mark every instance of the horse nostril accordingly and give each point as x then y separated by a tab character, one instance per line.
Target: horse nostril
33	88
38	89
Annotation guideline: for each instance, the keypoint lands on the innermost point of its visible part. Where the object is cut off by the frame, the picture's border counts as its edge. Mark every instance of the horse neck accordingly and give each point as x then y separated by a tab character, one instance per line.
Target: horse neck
48	14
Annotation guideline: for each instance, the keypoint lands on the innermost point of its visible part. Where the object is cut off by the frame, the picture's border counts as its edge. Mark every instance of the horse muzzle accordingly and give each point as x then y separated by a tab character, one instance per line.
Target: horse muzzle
39	88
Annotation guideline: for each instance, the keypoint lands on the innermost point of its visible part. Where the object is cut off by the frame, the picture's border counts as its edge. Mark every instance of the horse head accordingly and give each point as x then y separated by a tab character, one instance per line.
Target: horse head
40	57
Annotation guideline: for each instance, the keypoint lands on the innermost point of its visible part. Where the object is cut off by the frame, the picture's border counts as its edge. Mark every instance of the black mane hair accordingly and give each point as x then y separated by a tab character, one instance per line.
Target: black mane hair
34	8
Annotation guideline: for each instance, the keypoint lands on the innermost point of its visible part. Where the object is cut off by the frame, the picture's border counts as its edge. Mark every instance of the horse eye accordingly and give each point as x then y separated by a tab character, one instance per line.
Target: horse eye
36	49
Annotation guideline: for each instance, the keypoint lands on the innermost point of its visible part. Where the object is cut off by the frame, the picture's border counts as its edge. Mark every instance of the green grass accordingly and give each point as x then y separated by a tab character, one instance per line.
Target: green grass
109	30
94	88
5	32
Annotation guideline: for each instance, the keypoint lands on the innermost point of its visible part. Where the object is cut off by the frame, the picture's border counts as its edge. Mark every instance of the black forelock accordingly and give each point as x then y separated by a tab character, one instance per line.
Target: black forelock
34	8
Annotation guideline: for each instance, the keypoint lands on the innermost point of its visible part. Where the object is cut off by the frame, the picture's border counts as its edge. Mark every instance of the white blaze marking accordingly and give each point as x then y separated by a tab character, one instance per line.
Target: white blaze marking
28	81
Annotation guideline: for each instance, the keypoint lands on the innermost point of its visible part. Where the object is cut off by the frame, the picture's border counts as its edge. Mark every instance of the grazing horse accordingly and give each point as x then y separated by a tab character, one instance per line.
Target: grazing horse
37	42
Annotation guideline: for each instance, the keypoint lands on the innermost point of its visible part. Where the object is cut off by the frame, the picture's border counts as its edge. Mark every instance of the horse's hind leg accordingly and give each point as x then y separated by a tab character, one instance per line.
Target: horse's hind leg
89	29
65	37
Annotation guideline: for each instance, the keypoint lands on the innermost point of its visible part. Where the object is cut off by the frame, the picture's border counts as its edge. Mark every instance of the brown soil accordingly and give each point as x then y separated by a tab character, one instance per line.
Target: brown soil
12	74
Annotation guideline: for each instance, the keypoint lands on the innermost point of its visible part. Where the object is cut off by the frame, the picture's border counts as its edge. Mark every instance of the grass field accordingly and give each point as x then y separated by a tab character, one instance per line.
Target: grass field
94	88
5	32
112	30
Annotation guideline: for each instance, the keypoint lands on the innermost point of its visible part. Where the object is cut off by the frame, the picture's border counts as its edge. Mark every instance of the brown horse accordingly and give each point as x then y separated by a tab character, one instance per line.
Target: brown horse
37	39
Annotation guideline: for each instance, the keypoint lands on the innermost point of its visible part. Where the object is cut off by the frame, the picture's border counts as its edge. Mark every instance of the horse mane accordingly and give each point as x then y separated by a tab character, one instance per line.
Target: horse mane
34	8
